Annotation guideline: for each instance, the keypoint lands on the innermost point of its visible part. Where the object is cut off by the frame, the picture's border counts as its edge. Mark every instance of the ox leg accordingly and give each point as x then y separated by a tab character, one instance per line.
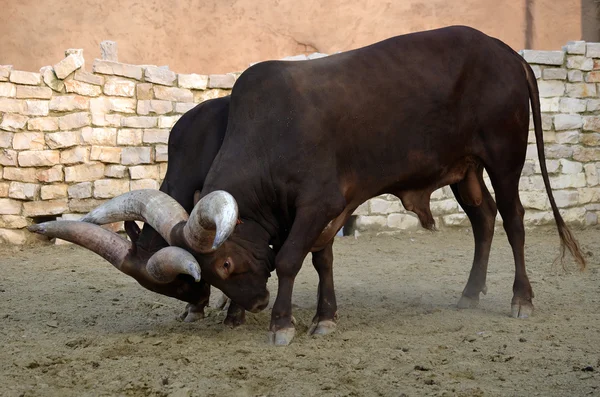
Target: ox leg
324	321
306	229
195	311
509	204
483	218
236	315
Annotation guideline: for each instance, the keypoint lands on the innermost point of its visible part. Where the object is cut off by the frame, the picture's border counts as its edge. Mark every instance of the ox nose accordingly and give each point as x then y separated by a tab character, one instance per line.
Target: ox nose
260	304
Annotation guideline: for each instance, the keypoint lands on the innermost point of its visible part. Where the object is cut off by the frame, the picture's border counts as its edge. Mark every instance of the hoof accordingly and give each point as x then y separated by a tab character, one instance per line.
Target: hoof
322	328
235	320
521	310
192	313
466	302
282	337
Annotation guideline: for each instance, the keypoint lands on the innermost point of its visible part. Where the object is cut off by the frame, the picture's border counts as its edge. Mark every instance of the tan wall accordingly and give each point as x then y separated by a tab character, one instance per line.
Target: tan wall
216	36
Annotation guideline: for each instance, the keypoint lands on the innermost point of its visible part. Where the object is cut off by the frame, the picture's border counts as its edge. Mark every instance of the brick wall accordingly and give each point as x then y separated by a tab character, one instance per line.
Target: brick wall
71	138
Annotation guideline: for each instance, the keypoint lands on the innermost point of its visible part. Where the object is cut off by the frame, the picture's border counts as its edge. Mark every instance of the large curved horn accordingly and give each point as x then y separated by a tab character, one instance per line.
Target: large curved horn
103	242
166	264
154	207
211	222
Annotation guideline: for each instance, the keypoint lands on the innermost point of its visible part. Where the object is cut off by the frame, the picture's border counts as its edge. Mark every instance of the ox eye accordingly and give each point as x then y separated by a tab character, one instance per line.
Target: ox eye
226	265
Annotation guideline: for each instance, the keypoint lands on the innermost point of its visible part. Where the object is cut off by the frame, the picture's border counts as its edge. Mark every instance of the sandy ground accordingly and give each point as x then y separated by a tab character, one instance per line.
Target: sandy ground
71	325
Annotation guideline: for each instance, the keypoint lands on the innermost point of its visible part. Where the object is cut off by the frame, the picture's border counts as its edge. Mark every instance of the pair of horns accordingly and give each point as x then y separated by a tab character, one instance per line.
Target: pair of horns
210	223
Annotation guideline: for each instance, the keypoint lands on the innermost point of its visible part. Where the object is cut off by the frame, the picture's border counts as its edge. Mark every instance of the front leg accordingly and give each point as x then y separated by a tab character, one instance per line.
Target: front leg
307	226
194	311
324	321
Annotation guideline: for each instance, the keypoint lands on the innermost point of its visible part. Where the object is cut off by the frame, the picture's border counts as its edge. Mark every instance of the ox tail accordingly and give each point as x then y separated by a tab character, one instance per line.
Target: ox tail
567	239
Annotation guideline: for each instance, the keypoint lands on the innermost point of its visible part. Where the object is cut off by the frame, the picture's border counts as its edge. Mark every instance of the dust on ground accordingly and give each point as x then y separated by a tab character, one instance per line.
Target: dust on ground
72	325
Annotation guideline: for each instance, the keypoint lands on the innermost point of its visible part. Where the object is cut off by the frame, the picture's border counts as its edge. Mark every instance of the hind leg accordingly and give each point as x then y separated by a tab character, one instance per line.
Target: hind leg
324	321
506	187
483	218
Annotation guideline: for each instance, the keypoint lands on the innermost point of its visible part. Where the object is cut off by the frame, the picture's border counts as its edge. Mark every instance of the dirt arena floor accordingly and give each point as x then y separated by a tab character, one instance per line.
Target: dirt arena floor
72	325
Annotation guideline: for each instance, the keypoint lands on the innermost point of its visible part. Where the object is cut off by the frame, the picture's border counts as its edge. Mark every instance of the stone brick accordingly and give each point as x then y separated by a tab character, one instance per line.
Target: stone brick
75	155
99	136
19	174
52	192
116	68
537	71
593	105
129	137
444	207
201	96
80	190
580	63
159	75
591	139
161	153
119	87
575	75
550	104
4	189
13	222
555	74
14	236
106	154
51	80
581	90
222	80
535	199
566	198
5	72
48	207
24	91
143	172
454	220
13	122
184	107
402	221
538	218
10	207
570	167
81	88
109	188
571	137
154	106
106	120
590	195
583	154
115	171
156	136
122	105
592	174
10	105
564	181
43	124
592	50
593	77
567	121
23	191
109	50
49	175
69	103
551	88
27	78
162	167
36	108
74	121
143	184
173	94
136	155
139	122
38	158
68	65
558	151
575	47
64	139
167	121
591	123
28	141
144	91
553	167
6	139
371	222
84	205
381	206
84	172
8	90
193	81
87	77
572	105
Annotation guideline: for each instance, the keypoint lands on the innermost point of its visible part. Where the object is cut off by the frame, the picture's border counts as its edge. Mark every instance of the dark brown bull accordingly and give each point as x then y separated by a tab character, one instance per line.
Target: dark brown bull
308	142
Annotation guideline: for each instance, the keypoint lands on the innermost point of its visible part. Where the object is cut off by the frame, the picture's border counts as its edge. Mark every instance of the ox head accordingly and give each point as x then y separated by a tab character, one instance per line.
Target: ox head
198	249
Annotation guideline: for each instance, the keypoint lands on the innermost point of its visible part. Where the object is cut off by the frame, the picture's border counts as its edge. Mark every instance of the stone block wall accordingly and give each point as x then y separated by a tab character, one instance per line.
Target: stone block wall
72	138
